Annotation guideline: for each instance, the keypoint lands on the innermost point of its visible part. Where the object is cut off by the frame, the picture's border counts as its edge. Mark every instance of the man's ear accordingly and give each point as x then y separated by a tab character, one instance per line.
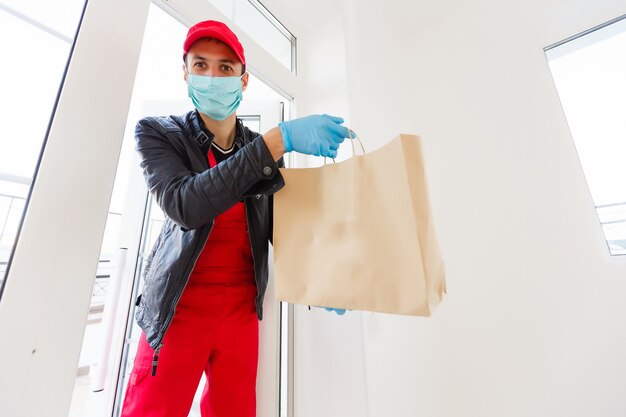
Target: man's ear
184	72
244	81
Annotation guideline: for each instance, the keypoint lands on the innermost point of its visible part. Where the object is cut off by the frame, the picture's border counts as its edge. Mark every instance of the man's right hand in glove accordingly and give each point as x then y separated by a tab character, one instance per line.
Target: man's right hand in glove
318	135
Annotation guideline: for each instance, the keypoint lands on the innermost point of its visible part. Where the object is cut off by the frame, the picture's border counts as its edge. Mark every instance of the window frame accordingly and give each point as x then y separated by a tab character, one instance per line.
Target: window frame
565	46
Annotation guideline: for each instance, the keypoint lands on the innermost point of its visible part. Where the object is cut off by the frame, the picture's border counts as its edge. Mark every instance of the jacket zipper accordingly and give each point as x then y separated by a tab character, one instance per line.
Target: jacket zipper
253	260
155	358
256	278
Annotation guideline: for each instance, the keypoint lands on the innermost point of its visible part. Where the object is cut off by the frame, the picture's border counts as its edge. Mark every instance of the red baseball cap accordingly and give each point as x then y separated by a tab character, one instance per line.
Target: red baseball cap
216	30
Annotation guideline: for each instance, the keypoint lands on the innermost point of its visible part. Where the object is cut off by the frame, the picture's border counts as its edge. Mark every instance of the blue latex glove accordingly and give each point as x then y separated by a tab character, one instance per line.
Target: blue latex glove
314	135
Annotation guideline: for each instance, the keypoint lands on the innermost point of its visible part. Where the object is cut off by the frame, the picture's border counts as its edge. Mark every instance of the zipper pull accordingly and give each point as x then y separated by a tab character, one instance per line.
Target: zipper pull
155	359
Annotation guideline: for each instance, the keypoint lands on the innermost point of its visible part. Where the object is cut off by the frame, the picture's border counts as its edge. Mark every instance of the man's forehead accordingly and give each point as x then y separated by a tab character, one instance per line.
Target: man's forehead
198	50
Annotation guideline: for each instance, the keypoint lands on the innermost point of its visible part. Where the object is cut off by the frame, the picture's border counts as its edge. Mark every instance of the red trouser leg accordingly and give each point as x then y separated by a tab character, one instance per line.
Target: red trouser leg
215	330
232	369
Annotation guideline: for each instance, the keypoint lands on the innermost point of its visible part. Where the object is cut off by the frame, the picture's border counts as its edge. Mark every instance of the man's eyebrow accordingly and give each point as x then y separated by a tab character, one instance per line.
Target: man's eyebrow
224	60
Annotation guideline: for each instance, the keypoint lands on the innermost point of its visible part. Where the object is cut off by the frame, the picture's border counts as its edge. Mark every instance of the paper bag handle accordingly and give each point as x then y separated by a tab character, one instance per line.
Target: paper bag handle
352	144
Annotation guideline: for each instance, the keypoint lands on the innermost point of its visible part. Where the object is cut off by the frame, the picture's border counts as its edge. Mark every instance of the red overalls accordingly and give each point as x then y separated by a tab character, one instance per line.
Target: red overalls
215	330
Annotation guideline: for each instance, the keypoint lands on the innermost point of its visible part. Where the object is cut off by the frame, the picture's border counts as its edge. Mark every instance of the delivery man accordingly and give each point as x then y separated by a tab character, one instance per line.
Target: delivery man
206	276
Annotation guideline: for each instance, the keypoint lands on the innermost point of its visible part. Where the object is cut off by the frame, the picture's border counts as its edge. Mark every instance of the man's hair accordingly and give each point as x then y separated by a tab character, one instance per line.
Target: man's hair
243	71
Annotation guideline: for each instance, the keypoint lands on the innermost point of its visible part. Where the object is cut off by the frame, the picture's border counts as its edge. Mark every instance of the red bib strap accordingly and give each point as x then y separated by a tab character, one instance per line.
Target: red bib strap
227	257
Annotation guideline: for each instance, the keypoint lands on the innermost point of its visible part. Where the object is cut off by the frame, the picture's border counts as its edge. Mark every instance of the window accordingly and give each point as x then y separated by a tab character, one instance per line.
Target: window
28	98
588	71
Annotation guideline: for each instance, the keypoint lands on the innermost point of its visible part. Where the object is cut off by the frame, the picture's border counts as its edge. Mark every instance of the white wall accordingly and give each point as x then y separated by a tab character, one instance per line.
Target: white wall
534	323
329	358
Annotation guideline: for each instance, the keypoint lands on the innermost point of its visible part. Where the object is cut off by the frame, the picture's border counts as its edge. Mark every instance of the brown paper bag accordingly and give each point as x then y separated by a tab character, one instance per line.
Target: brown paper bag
359	235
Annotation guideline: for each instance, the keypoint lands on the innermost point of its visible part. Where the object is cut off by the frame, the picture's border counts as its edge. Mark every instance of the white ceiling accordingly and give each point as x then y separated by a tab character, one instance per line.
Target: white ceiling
301	16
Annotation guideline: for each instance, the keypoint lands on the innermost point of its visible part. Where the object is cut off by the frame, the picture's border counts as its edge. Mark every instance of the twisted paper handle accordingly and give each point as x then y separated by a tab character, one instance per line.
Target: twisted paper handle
351	143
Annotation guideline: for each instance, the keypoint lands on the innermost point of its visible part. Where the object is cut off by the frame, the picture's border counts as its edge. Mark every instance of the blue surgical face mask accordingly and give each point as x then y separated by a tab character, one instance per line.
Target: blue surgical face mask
217	97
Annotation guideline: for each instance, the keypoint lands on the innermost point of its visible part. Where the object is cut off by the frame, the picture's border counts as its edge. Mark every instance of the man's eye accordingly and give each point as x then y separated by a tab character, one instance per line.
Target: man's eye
199	64
226	68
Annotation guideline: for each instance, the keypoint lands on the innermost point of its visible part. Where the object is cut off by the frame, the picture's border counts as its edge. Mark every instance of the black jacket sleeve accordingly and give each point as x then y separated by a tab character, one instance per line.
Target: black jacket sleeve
192	199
